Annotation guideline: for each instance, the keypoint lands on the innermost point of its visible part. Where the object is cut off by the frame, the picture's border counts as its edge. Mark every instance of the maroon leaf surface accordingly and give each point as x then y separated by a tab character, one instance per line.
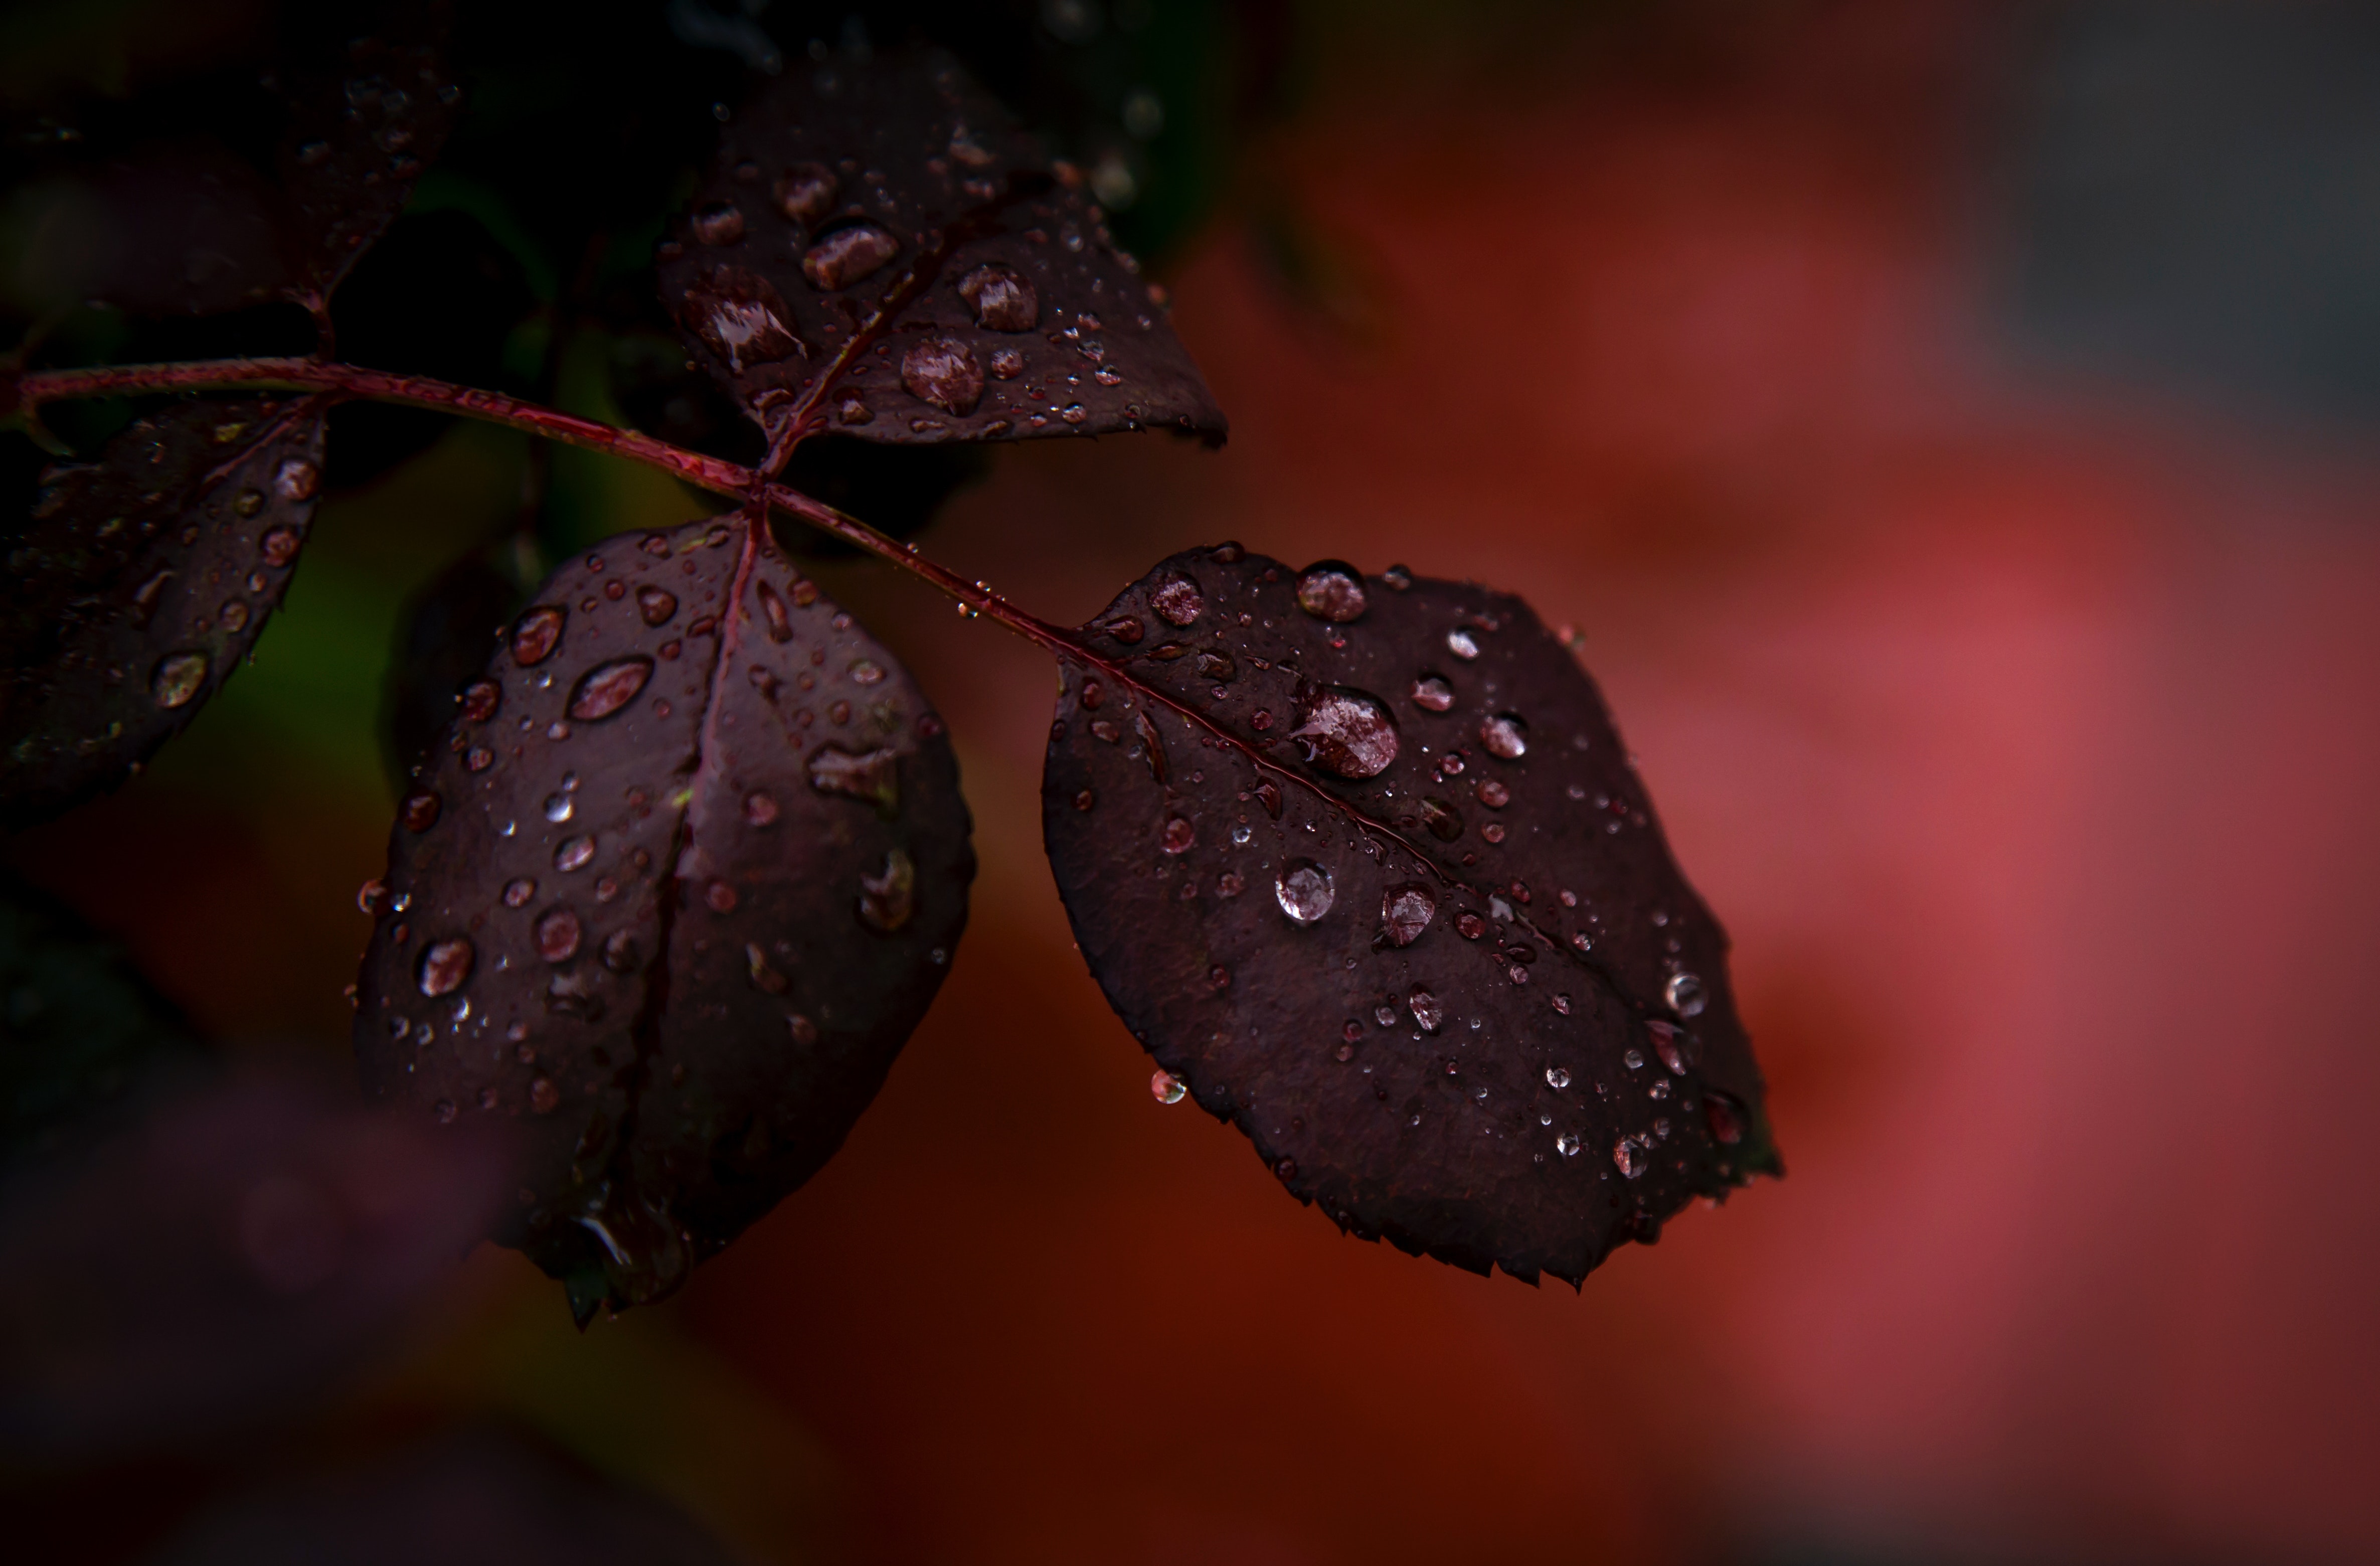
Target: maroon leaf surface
140	582
681	883
1366	866
877	242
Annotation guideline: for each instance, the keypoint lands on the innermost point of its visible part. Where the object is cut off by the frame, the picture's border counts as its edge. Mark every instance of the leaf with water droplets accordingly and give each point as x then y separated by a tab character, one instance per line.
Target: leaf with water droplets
677	886
1478	964
140	584
878	248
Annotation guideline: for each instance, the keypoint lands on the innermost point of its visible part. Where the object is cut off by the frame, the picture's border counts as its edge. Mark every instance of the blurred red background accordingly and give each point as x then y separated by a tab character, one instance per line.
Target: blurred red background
2017	723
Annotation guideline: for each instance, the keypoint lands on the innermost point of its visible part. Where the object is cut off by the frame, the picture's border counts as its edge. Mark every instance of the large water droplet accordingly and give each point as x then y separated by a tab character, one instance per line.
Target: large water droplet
1684	993
1332	590
444	966
804	191
1406	911
179	678
1303	890
847	255
1345	732
1428	1015
1165	1088
887	899
557	935
943	370
607	687
1001	298
536	634
1177	599
718	223
742	318
1505	735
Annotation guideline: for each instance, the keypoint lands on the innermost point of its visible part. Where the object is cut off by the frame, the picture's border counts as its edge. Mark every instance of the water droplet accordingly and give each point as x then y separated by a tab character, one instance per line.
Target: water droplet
943	370
607	687
444	1111
1086	799
481	699
1561	1004
620	951
847	255
1304	891
1444	821
1724	1116
368	896
1176	599
1505	735
1626	1158
1217	666
1165	1088
1007	363
718	223
1178	836
1332	590
558	807
536	634
804	191
234	614
1557	1077
518	892
1470	926
557	935
1567	1144
1684	993
874	777
763	973
1493	832
178	679
297	479
544	1098
740	316
889	898
865	672
1231	884
573	853
1345	732
1285	1169
478	758
248	503
720	896
1001	298
444	966
1676	1048
759	809
1406	911
1428	1015
655	605
1634	1060
1432	694
1459	642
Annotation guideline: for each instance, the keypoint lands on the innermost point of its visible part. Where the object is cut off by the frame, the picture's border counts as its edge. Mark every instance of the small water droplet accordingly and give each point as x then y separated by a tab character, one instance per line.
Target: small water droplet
1428	1015
1567	1144
1231	884
1432	694
1176	599
1444	821
1724	1116
759	809
297	479
1303	890
1178	836
1675	1047
943	370
866	672
573	853
1165	1088
536	634
1626	1158
655	605
368	896
889	898
1406	911
1001	298
847	255
718	223
444	966
444	1111
544	1098
1505	735
558	807
740	316
1459	643
557	935
1557	1077
1332	590
606	688
518	892
481	699
804	191
1633	1059
248	503
178	678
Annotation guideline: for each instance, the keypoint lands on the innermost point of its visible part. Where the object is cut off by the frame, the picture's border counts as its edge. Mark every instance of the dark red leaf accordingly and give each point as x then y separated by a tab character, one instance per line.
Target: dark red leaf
1376	879
142	581
682	880
878	241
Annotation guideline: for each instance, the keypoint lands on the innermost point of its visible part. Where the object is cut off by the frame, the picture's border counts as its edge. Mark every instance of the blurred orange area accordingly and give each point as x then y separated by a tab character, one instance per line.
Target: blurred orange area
2019	730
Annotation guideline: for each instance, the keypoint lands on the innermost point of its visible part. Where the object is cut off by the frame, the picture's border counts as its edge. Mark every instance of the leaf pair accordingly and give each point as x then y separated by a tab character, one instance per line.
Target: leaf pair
1360	860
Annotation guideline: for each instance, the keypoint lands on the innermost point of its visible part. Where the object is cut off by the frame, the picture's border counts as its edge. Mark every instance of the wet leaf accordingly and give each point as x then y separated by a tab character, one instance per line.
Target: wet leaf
443	637
1389	897
140	582
681	881
877	241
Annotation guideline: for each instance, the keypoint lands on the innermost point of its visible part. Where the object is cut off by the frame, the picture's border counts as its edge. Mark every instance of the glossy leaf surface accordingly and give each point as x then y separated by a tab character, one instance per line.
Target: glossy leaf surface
1371	874
682	880
140	582
875	240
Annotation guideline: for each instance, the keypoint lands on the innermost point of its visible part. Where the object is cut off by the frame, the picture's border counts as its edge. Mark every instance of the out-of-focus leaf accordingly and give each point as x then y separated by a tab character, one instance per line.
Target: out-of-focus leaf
142	579
1370	873
680	883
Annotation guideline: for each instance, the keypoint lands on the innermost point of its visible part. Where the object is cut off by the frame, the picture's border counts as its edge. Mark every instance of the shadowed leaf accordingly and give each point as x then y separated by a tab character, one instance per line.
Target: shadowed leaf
879	247
1394	903
681	883
141	580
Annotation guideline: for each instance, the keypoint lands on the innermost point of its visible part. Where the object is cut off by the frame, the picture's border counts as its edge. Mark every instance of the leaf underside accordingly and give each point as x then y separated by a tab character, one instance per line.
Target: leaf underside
1422	943
142	581
679	885
877	240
